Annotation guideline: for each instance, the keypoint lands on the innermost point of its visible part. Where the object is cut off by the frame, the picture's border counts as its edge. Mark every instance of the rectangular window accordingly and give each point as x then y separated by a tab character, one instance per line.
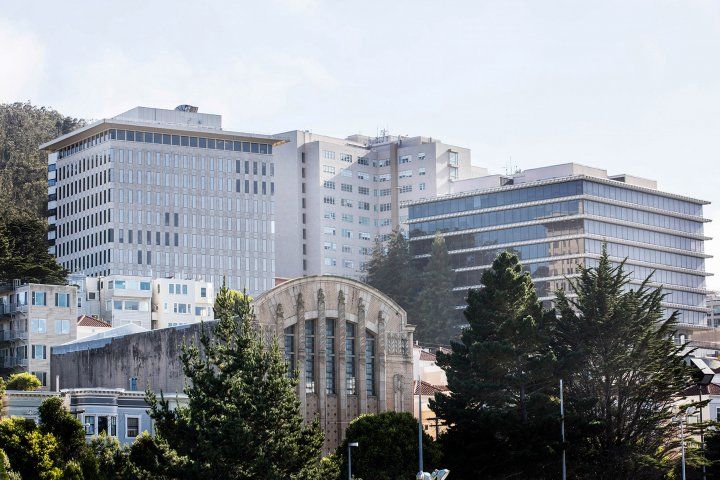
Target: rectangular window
39	352
370	363
404	159
62	327
329	200
330	355
38	325
346	172
363	190
345	157
350	358
38	299
290	349
405	174
453	159
328	169
346	187
329	184
62	299
328	154
421	171
310	356
132	427
405	189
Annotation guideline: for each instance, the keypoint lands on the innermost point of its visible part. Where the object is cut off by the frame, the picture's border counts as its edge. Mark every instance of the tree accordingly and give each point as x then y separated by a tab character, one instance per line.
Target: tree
32	453
392	271
387	447
437	318
23	381
6	472
623	374
23	167
502	416
111	460
242	420
55	420
24	254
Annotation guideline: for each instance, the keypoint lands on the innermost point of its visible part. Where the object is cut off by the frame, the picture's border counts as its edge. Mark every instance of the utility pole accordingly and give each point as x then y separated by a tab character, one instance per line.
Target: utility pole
420	449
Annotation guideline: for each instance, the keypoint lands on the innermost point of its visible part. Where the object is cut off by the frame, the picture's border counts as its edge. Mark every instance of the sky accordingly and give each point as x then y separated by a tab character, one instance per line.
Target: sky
628	86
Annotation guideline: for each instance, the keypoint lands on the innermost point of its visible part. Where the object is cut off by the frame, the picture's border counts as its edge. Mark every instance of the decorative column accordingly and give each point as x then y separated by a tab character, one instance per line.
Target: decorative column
300	351
320	352
279	326
380	357
340	335
361	341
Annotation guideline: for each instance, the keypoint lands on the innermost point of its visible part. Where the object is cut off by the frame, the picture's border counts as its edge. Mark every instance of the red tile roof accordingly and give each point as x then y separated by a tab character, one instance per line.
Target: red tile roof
427	356
712	389
428	389
88	321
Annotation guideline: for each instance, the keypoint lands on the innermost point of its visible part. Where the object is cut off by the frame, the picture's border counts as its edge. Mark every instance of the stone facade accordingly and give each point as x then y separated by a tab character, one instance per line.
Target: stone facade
368	373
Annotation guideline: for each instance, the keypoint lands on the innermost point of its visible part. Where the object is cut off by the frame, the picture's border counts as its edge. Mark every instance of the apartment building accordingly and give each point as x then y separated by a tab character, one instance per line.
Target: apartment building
339	195
557	217
181	302
164	193
35	318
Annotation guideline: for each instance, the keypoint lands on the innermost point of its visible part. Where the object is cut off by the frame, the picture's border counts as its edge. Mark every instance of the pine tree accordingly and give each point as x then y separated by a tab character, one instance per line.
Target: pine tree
437	318
622	373
502	415
392	271
242	420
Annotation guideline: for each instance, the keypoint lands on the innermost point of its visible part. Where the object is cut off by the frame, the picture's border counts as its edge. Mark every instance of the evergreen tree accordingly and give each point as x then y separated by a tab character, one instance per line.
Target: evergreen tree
502	415
242	420
24	254
32	454
61	424
622	373
392	271
437	318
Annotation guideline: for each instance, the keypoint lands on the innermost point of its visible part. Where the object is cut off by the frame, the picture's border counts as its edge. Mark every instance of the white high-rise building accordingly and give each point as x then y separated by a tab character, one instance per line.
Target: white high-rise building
164	193
338	195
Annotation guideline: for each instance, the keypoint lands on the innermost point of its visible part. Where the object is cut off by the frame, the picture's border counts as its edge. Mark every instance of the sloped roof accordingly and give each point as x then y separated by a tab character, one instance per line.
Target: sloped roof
428	389
427	356
711	389
88	321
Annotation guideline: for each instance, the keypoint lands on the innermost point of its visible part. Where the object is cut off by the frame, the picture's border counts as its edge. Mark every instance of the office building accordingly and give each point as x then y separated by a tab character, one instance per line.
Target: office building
557	217
350	343
339	194
164	193
35	318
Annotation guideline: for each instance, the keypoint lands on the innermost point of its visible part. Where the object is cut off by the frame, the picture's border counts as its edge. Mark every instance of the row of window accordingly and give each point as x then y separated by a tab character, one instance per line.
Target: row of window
107	425
39	325
646	255
191	162
166	139
350	349
39	299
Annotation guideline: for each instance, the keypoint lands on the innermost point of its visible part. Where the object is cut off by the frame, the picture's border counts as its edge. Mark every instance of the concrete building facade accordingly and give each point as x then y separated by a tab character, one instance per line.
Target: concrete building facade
350	344
558	217
34	319
163	193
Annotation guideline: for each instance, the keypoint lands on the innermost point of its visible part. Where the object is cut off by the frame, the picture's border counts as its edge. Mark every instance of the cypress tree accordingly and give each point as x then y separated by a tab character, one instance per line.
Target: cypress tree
437	318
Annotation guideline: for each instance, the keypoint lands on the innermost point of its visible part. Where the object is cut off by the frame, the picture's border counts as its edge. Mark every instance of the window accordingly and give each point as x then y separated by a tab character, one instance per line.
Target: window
62	299
421	156
405	174
329	184
330	215
422	186
310	356
346	249
348	264
328	200
290	349
203	292
453	158
330	246
363	236
330	355
364	220
329	169
38	298
346	233
346	157
345	172
363	161
346	202
363	175
347	217
62	327
385	207
364	205
39	352
38	325
329	231
89	425
370	363
383	178
132	427
145	285
328	154
453	173
404	159
363	190
42	376
421	171
345	187
330	262
406	188
350	358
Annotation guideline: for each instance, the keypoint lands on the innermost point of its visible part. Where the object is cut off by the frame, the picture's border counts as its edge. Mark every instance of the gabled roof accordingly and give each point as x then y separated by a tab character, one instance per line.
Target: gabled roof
428	389
89	321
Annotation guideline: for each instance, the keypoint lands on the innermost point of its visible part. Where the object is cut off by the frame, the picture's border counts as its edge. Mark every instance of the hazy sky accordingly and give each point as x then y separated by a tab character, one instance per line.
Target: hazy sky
629	86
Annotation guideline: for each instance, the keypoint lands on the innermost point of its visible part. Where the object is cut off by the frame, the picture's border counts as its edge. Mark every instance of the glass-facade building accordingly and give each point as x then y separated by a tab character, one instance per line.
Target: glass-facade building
555	224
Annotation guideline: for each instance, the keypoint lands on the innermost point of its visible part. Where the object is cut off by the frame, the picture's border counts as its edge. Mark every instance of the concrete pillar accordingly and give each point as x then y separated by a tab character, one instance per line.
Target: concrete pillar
340	335
380	359
360	371
300	351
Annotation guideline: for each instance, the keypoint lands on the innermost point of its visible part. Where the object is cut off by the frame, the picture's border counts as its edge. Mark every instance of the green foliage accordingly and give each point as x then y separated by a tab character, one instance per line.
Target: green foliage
6	472
501	413
623	374
23	167
391	270
32	453
242	420
387	447
72	471
23	381
112	460
437	319
55	420
24	254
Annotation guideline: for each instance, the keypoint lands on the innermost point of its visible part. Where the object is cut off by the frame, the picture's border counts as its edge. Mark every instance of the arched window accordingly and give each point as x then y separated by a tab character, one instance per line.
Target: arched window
370	363
330	355
290	349
310	356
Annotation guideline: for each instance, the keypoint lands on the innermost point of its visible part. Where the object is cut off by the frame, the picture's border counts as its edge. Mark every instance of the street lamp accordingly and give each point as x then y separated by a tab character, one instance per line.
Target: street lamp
350	445
681	418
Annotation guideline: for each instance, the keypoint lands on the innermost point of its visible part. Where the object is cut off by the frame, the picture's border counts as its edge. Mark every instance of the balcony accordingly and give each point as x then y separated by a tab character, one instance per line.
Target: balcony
12	335
12	362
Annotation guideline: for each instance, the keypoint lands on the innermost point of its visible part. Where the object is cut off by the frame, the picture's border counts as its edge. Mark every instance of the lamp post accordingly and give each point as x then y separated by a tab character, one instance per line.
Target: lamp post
350	445
420	439
681	418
